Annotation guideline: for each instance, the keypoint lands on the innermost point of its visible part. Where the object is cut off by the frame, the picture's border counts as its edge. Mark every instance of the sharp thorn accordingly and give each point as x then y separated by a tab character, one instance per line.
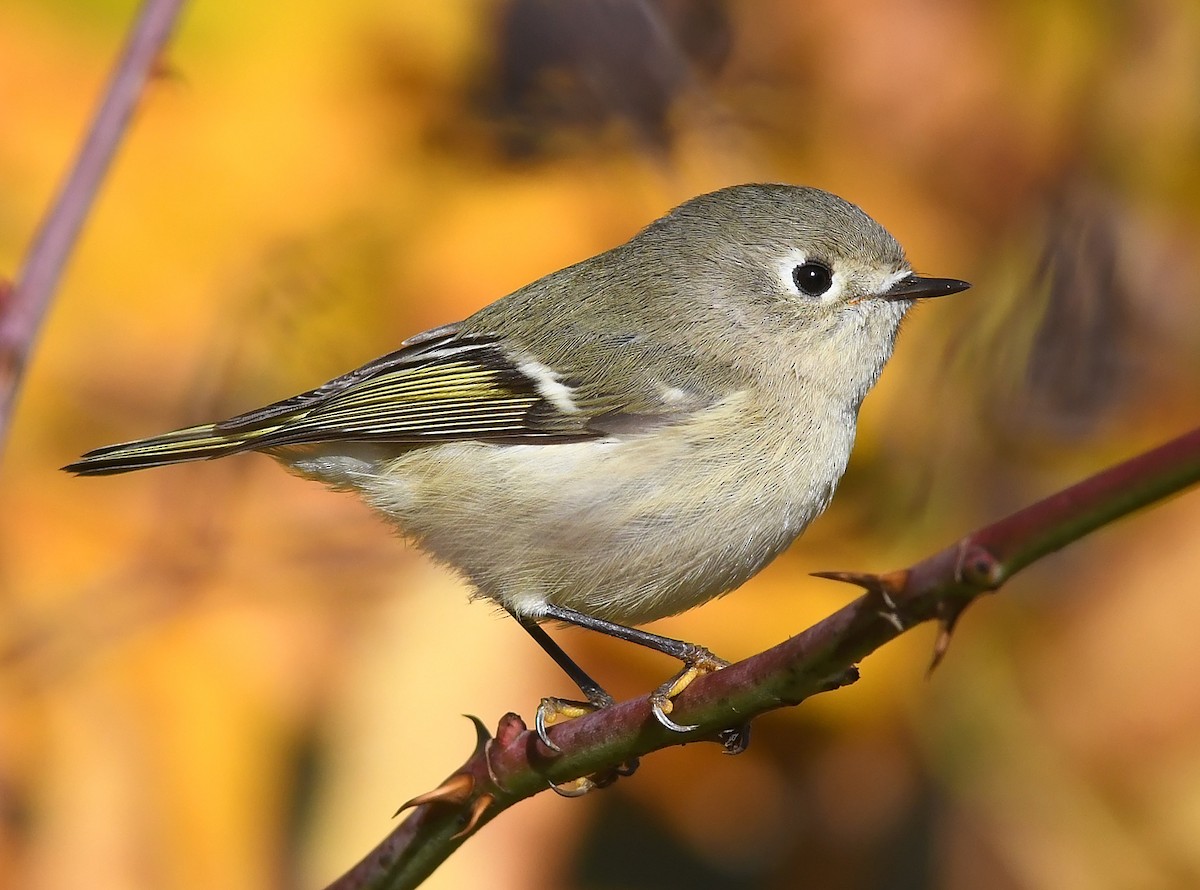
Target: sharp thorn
940	646
884	585
947	621
858	579
455	790
481	805
482	736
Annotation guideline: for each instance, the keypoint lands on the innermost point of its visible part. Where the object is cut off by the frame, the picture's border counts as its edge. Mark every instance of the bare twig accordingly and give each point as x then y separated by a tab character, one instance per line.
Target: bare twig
515	764
22	312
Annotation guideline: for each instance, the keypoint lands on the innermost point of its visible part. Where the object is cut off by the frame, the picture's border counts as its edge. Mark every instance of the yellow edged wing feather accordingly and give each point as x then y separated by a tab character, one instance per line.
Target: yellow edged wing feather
438	387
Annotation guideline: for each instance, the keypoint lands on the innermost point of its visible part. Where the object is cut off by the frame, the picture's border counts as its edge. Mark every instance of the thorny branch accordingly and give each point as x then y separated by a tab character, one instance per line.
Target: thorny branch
515	765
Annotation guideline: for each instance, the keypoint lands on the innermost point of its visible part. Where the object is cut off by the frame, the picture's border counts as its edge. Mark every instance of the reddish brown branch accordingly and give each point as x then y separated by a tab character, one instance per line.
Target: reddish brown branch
1048	525
516	765
22	312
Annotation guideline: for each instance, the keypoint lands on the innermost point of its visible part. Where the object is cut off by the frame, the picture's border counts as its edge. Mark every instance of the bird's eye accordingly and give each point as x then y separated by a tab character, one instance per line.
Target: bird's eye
812	278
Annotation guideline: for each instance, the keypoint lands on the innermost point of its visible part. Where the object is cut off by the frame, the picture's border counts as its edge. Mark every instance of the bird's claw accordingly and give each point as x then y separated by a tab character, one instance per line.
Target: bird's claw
575	788
700	662
660	706
735	739
556	710
584	784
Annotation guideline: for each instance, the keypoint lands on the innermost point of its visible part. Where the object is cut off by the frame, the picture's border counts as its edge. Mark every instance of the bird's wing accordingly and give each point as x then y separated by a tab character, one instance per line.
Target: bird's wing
441	385
451	384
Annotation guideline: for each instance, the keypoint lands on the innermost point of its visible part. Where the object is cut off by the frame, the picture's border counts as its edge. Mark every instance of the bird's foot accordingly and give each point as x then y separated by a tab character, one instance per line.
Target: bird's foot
552	711
584	784
735	739
697	662
558	710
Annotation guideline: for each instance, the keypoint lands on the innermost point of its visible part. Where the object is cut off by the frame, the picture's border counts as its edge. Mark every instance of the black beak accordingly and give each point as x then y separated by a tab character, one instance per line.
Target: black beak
914	287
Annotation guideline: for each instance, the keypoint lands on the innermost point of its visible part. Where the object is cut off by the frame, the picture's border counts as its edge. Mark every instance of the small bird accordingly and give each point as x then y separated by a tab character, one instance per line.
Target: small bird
623	439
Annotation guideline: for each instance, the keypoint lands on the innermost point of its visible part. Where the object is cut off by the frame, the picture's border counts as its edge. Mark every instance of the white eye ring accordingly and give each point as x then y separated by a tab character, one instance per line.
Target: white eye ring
787	276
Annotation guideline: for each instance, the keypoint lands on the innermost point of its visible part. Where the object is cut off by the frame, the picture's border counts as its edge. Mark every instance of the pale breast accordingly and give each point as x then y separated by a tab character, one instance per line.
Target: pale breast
630	528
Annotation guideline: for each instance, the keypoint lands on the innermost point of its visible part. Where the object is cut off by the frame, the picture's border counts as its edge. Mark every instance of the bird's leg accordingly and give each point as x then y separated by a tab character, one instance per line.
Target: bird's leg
697	660
555	710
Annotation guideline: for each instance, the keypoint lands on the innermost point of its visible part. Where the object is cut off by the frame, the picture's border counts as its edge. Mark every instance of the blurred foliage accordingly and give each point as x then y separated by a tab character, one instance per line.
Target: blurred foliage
221	676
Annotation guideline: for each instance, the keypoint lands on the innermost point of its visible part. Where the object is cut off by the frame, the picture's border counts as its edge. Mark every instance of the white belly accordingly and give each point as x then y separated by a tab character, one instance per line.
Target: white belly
628	529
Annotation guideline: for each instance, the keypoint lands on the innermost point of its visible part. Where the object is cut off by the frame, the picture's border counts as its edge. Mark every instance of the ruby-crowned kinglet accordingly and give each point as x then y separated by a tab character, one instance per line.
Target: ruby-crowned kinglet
623	439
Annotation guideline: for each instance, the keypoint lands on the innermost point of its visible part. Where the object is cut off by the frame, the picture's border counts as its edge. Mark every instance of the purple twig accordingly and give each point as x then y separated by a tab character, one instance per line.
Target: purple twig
25	305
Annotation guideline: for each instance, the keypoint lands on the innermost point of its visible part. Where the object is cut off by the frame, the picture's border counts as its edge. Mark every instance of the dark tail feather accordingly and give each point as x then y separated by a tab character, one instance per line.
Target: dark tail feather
193	443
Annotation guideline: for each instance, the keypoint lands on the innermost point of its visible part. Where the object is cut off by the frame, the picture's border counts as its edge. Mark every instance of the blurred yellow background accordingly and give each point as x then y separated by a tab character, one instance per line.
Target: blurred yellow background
218	675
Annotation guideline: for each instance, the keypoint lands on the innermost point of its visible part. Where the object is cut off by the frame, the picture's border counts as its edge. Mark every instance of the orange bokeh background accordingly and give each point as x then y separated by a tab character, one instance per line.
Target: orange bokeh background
218	675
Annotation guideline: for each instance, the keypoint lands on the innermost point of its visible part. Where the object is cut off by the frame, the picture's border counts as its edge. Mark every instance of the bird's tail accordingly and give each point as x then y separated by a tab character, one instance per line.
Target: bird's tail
193	443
